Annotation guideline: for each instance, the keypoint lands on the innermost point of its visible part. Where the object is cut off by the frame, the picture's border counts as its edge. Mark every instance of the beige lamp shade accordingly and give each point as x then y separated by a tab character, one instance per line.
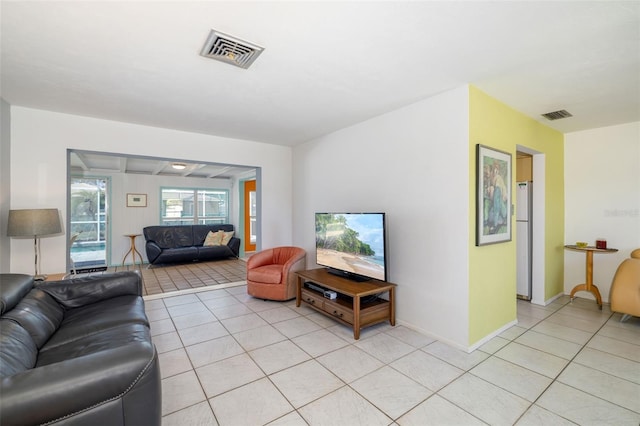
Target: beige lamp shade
33	222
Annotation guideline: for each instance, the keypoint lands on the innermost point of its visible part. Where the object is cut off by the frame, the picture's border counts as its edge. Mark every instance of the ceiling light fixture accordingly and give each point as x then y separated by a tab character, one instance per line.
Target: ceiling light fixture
179	166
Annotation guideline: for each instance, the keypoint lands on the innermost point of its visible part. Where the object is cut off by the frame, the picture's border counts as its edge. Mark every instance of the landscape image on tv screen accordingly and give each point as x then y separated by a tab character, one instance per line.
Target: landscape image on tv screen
352	242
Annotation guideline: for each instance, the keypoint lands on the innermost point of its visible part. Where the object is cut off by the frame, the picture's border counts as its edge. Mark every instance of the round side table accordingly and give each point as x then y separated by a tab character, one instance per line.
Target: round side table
589	285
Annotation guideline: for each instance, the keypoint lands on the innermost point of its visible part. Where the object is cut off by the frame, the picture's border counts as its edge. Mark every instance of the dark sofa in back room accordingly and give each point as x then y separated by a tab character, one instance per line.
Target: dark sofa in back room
185	243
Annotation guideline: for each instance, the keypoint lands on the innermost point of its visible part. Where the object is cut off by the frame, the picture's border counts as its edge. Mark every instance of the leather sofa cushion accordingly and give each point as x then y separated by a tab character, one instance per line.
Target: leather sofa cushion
182	254
213	252
268	274
98	317
39	314
18	351
106	340
14	287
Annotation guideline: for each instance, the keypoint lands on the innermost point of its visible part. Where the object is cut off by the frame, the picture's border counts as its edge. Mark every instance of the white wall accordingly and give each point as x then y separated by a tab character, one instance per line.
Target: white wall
39	143
602	200
412	164
5	180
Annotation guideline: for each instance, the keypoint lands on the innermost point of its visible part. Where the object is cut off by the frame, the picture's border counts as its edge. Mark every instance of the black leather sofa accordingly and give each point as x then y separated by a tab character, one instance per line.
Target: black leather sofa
77	352
184	243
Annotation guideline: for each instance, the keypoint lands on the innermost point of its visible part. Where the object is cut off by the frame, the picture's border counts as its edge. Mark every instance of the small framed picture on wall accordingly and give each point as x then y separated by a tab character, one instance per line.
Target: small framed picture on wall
136	200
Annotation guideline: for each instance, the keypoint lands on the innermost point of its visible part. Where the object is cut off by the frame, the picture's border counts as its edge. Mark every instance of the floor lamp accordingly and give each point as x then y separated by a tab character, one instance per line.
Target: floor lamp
34	223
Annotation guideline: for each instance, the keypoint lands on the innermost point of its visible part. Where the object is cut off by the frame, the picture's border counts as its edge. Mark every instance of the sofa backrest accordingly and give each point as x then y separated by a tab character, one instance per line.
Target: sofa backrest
13	287
282	255
169	236
39	314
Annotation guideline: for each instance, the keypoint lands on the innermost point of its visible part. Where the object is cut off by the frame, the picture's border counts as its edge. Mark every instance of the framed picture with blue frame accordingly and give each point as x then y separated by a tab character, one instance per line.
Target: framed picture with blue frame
493	196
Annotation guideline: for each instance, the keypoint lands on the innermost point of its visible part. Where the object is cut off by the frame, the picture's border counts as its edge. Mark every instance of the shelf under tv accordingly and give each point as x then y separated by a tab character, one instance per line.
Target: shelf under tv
357	304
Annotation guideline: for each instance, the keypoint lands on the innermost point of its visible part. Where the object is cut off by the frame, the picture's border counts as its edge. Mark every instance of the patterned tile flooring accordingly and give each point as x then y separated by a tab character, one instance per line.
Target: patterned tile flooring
229	359
170	278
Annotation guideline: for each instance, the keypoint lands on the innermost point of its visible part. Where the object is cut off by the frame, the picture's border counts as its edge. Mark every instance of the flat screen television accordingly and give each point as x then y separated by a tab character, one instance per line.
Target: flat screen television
352	245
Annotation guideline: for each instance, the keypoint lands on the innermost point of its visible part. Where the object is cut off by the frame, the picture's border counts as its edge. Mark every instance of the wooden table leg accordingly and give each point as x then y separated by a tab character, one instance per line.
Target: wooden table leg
125	257
392	306
356	317
299	291
589	285
133	250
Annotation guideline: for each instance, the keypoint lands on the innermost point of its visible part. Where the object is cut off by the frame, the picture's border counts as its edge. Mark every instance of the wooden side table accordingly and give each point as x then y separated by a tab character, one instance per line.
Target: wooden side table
589	285
132	249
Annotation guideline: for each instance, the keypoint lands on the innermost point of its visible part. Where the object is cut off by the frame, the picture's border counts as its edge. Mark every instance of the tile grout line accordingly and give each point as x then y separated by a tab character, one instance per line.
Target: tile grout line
387	364
555	379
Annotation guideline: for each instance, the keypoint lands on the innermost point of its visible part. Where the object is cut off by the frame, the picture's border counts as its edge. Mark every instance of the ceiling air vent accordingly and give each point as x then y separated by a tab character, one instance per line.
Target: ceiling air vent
557	115
231	50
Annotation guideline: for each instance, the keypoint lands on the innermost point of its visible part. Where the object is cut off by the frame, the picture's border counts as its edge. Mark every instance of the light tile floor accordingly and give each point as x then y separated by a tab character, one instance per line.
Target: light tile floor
229	359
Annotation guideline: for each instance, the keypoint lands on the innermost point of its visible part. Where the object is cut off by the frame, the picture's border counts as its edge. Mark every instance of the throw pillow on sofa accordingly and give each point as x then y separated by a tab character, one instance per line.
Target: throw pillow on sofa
213	239
226	237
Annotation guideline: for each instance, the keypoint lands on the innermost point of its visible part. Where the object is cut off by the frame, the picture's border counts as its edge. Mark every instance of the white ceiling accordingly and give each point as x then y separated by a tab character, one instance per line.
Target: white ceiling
326	65
92	162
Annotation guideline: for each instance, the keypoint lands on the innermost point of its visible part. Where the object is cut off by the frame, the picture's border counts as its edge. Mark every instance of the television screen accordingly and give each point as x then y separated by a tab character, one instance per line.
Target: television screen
352	244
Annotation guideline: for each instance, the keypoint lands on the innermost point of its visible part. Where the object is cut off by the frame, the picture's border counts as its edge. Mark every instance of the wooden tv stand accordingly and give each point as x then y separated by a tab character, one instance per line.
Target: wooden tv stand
352	306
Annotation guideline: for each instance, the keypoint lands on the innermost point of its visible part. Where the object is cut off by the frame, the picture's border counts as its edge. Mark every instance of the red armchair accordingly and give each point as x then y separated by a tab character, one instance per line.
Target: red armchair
269	272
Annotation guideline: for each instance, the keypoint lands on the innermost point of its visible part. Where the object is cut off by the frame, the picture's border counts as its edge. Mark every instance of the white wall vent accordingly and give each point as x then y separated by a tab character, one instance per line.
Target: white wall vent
231	50
557	115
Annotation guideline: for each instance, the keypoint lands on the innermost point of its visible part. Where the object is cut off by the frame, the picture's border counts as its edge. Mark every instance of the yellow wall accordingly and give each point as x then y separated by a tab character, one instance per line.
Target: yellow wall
492	268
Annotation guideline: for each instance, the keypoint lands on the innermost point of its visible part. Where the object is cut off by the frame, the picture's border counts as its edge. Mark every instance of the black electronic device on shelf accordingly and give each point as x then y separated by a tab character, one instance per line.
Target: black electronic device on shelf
328	294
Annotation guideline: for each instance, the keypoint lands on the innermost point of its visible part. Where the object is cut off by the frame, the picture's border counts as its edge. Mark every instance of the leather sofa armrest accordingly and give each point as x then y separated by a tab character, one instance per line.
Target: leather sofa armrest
234	245
50	392
153	250
83	291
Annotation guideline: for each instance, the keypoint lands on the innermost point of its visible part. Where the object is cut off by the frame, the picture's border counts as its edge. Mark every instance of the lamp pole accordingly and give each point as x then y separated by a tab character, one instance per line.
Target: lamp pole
36	248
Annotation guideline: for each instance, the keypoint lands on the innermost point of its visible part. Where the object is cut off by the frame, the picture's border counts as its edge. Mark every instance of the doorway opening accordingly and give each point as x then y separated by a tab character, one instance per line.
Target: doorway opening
524	224
250	216
127	173
538	219
88	227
